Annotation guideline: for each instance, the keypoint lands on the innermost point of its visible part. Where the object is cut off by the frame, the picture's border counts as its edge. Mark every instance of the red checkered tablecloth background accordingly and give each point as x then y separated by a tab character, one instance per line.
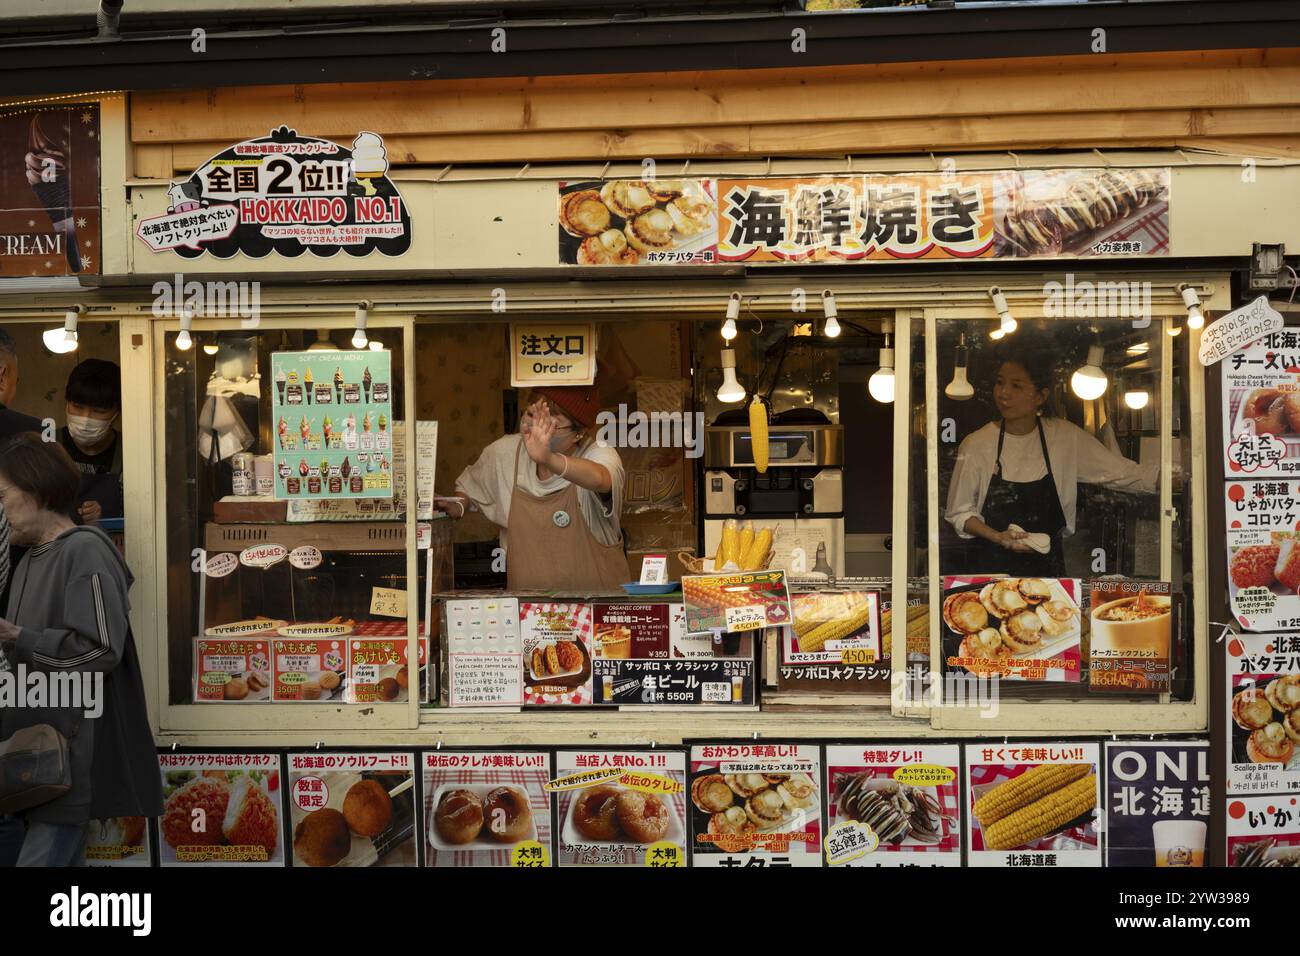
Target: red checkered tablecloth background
949	808
393	628
990	774
531	780
581	621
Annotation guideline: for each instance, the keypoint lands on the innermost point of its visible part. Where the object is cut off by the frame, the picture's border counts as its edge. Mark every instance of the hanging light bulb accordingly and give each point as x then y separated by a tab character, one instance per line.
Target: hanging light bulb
183	338
959	389
1173	329
731	391
1007	320
63	339
359	340
1089	381
376	345
881	383
997	334
733	313
211	348
832	327
1195	318
1137	399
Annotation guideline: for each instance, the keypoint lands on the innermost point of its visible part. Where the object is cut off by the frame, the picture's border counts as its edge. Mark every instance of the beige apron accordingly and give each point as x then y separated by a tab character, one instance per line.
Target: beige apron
553	549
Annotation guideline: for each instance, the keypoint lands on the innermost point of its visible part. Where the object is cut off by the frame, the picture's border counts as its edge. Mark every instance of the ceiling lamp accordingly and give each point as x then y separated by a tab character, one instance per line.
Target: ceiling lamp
1089	381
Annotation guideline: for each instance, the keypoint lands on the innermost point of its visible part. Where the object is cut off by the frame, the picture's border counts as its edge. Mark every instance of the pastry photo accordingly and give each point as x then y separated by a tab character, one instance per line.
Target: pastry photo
479	816
368	819
610	813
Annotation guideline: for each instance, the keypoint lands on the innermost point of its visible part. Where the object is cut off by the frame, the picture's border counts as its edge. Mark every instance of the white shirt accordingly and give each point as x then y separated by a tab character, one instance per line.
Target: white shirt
490	482
1076	456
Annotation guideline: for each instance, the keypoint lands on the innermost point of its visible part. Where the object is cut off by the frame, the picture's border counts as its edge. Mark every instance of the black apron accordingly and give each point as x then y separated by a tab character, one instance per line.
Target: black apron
1034	506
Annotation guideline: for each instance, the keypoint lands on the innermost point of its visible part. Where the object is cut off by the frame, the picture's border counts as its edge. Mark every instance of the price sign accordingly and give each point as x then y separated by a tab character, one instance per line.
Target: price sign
388	602
857	655
749	618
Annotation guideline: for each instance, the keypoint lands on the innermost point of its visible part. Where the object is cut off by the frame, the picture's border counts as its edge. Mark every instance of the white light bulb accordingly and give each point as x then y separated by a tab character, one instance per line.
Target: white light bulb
211	348
1137	399
1173	329
1007	321
997	334
881	383
62	339
183	340
376	345
359	339
1009	324
731	391
832	328
1195	318
1089	381
959	389
733	313
729	329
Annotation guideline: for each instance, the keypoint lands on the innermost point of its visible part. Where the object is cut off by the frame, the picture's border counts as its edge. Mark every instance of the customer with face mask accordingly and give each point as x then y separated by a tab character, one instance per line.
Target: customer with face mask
94	402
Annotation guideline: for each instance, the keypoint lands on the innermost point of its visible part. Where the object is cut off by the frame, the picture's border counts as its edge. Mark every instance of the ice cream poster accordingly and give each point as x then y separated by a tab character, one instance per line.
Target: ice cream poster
49	191
333	414
287	194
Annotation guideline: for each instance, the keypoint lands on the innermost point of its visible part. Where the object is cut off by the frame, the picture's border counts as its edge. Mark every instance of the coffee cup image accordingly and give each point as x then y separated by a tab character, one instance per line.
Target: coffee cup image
1132	624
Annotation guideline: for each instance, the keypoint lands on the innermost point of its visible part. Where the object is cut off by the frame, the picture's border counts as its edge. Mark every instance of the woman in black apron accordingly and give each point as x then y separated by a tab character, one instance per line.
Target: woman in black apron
1031	505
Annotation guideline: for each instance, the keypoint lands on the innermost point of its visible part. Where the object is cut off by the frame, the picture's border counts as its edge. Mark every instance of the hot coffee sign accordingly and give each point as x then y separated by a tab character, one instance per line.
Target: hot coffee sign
287	194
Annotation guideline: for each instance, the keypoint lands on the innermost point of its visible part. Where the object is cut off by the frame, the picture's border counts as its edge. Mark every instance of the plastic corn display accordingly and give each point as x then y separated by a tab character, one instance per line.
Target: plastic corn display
728	546
712	597
742	546
1043	816
1031	786
833	630
755	558
758	433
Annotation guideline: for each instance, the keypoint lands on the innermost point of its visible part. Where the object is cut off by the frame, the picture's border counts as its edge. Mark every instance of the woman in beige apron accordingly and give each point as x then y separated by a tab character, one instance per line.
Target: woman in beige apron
555	493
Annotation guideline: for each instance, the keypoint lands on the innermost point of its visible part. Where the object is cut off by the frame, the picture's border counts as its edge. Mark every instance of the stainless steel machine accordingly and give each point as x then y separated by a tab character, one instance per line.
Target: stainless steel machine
801	496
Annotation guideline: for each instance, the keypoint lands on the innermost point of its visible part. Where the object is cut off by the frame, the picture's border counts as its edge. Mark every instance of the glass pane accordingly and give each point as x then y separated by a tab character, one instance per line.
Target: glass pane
286	535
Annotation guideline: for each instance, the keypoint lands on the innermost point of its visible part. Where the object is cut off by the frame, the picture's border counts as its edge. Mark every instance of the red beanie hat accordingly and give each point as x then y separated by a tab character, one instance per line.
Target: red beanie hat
580	402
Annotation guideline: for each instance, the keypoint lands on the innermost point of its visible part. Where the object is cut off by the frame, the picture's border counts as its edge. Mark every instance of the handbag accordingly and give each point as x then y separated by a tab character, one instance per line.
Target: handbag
35	768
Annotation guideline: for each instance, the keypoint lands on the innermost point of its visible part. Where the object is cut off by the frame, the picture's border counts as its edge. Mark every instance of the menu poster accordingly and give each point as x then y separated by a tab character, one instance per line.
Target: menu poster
621	807
484	660
1263	674
555	639
487	808
1263	524
232	670
629	222
745	601
1157	802
308	671
1264	831
377	671
893	805
1023	629
1033	804
755	804
833	627
352	809
371	509
221	809
332	412
1261	407
1132	624
119	841
287	194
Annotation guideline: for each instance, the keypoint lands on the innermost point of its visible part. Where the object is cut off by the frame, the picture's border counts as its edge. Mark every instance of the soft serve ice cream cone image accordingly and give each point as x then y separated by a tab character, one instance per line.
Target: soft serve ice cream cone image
369	160
47	173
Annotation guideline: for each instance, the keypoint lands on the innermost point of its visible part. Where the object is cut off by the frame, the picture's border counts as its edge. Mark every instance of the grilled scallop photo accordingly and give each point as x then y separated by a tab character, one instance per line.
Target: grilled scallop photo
583	214
1057	617
1251	709
986	644
711	794
765	808
610	248
1006	597
690	216
1023	631
1034	590
627	198
1284	693
665	190
964	614
746	784
651	231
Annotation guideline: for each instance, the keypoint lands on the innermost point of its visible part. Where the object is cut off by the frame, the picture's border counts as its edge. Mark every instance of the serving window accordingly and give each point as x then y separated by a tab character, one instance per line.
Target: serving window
286	469
1053	538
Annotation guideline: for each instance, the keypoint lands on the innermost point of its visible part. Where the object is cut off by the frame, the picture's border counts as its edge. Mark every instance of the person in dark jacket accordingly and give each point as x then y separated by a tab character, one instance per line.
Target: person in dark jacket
11	423
68	612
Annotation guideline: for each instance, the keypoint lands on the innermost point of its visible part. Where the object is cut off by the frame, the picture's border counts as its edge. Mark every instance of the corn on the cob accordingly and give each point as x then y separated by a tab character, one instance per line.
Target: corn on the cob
755	557
1043	816
758	434
727	546
715	598
1032	785
815	639
742	544
918	630
814	610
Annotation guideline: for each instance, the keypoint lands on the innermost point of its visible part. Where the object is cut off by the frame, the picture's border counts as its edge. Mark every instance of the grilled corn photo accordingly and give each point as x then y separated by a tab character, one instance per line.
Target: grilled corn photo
1031	786
1045	815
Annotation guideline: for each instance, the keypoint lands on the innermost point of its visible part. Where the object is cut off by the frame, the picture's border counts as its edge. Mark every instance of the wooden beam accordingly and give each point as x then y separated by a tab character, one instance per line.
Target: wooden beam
154	160
940	134
825	94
